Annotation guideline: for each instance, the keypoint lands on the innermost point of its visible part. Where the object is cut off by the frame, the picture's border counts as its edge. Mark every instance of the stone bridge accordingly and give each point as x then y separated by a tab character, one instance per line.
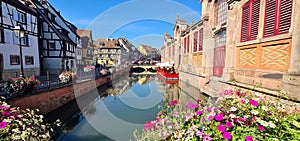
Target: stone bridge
145	69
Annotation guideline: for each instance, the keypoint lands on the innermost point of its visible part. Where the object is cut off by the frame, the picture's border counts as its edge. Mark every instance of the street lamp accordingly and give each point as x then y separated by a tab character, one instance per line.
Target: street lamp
20	33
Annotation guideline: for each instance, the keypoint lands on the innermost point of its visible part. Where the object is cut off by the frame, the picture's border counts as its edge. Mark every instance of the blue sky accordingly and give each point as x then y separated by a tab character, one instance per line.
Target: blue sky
140	21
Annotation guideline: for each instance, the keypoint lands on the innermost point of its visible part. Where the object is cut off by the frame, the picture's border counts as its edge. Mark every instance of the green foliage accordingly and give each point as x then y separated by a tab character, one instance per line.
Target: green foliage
21	85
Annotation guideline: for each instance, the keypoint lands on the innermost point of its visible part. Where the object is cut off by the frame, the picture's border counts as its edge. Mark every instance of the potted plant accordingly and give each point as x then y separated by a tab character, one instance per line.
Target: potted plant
67	76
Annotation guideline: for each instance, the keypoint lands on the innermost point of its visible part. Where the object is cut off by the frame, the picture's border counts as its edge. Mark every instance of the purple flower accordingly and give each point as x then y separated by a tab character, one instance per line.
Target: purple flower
203	120
227	135
192	106
229	124
3	125
199	112
261	128
249	138
211	117
253	102
199	101
6	114
209	109
221	128
219	117
173	103
148	125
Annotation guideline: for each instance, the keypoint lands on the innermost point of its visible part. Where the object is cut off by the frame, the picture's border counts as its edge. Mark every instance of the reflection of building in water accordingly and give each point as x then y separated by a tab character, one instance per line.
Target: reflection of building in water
183	92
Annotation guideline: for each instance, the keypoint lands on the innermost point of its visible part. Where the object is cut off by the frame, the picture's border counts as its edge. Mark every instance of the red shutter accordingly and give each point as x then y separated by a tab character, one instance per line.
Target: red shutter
184	44
285	15
245	23
188	44
195	41
270	18
255	19
219	61
200	40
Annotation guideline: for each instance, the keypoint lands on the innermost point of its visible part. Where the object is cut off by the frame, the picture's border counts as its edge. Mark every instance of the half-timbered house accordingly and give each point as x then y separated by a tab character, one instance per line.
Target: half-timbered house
108	51
58	39
87	46
13	13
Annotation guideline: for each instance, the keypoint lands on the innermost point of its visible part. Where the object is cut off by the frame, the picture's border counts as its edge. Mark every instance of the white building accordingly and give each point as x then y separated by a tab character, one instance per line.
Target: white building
15	13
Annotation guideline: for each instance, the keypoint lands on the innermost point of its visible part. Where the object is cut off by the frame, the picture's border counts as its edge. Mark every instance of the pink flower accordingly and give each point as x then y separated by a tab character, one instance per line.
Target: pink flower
219	117
199	101
227	135
148	126
5	114
228	124
227	92
158	119
173	103
200	133
207	138
261	128
211	117
199	112
221	128
176	114
3	125
192	106
249	138
253	103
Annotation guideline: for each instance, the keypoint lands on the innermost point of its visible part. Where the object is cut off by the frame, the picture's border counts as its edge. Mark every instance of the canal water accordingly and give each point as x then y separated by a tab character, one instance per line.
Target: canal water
114	111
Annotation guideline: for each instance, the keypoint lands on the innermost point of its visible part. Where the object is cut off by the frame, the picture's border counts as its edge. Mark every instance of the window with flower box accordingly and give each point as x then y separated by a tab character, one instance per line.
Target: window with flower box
250	20
277	17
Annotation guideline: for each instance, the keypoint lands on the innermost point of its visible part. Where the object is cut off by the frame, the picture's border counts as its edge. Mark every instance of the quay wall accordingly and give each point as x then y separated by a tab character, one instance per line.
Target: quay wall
55	98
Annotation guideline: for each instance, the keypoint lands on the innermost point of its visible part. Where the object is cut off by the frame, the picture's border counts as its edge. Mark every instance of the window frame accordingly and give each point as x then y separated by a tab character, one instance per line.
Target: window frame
31	60
17	61
251	18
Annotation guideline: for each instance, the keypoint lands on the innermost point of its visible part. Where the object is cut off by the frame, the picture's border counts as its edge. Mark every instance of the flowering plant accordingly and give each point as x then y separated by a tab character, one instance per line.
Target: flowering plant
66	76
21	85
88	68
18	124
235	116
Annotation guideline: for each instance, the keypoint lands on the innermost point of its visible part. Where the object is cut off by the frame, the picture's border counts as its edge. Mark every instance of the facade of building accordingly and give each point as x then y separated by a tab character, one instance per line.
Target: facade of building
87	46
108	51
241	42
14	13
148	51
58	40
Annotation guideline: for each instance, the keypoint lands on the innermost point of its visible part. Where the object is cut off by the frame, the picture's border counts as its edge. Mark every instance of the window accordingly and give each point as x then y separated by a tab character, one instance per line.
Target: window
1	36
24	40
200	48
277	17
195	41
51	45
21	17
221	12
29	60
250	20
14	60
219	53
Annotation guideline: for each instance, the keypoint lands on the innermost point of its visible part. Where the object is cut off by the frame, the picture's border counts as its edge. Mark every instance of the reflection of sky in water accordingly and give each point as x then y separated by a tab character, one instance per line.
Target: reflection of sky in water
118	116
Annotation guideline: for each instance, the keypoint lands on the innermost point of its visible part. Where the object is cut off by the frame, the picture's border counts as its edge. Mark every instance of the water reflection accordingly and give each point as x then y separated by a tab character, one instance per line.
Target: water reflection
118	108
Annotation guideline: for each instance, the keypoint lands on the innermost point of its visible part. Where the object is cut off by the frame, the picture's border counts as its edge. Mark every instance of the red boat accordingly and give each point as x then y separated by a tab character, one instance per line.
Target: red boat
164	80
168	75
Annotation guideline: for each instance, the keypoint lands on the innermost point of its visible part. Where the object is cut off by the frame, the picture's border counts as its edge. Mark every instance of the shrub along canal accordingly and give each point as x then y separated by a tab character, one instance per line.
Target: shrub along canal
115	110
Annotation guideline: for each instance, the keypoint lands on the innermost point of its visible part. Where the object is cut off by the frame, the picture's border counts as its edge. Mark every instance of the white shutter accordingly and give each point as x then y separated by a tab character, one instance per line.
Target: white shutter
7	36
15	14
28	19
29	41
4	10
15	39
